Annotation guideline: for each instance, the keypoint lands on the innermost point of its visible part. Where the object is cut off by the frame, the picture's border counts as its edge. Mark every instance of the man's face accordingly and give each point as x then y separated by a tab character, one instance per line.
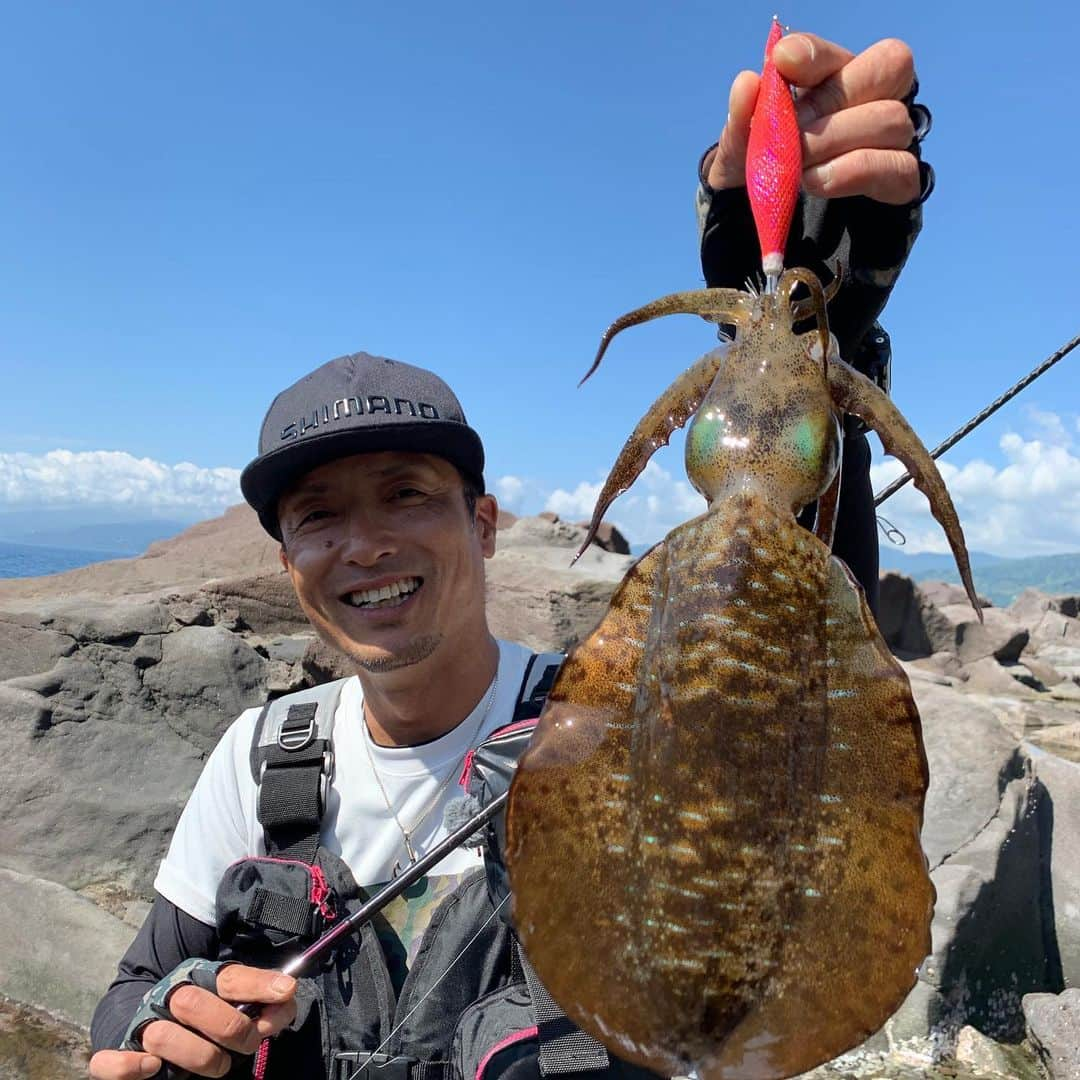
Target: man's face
386	560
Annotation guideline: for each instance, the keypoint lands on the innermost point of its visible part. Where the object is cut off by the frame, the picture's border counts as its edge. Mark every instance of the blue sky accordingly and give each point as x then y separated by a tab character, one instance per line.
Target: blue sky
203	201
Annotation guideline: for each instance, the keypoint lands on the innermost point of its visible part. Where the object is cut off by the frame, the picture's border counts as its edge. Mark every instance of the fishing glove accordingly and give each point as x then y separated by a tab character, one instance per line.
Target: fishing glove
155	1002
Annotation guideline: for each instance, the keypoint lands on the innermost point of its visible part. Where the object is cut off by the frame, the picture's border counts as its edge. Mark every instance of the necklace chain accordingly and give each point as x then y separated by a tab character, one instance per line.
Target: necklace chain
407	833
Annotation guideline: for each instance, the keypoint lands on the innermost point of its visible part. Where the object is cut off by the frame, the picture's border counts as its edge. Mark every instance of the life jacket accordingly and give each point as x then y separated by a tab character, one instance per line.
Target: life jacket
470	1007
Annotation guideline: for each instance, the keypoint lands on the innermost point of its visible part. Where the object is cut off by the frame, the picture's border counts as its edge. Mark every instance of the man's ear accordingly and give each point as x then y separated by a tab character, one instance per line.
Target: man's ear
487	517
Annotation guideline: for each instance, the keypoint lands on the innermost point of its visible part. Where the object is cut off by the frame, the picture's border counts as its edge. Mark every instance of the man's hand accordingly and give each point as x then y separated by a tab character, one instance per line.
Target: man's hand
207	1023
856	128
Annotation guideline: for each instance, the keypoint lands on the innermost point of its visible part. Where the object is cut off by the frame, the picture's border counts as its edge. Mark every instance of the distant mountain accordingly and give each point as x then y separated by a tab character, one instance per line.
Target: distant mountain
895	558
115	537
1002	580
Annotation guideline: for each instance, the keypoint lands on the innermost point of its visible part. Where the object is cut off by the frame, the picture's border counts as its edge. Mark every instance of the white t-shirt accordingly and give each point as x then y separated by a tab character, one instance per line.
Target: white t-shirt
219	824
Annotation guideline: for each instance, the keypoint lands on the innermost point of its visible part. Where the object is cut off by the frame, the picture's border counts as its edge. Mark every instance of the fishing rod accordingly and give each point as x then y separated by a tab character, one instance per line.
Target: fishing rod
976	420
412	873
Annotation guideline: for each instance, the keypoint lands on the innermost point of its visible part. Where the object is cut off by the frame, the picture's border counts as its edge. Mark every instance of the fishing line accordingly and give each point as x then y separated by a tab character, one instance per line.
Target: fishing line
405	1019
974	422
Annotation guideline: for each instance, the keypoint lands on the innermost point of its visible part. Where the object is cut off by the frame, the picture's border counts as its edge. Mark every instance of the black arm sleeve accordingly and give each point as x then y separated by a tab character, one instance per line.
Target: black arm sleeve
167	937
870	240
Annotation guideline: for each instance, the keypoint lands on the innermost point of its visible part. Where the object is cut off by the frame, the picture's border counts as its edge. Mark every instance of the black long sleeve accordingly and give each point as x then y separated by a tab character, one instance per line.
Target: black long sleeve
869	240
167	937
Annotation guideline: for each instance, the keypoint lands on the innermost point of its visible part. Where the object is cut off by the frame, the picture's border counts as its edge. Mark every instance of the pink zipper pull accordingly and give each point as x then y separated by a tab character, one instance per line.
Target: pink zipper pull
466	769
320	893
773	162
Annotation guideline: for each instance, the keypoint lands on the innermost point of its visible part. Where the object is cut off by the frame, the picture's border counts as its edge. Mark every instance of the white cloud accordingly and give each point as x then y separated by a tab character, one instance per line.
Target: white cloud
649	511
1025	506
576	505
116	479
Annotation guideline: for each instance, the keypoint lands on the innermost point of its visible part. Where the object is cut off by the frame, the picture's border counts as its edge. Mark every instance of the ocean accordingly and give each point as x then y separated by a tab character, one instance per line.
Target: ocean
25	560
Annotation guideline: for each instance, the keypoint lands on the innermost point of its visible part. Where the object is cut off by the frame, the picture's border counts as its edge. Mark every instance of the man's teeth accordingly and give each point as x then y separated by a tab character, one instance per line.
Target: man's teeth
388	596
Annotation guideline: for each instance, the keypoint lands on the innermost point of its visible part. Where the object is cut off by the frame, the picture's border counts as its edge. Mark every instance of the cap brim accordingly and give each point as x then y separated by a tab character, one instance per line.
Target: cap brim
269	476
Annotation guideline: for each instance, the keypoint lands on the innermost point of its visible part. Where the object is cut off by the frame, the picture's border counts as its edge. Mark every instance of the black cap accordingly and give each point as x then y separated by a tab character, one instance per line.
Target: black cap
356	404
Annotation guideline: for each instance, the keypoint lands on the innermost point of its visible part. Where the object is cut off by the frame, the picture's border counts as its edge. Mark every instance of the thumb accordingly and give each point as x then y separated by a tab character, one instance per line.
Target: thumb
123	1065
728	166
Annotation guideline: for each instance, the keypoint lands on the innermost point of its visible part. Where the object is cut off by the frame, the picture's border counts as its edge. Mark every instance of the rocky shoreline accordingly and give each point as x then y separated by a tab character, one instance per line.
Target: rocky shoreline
117	679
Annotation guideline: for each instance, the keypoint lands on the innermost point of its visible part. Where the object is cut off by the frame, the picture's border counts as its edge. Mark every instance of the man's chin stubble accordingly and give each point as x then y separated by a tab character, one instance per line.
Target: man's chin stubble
419	649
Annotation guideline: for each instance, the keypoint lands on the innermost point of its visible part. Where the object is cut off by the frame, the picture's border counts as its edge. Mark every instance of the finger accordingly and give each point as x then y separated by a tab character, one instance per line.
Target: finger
123	1065
728	166
806	59
240	983
185	1049
883	72
207	1015
889	176
275	1018
877	125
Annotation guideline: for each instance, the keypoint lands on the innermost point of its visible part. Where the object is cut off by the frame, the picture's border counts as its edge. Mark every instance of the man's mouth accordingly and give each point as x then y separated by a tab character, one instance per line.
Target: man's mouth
387	596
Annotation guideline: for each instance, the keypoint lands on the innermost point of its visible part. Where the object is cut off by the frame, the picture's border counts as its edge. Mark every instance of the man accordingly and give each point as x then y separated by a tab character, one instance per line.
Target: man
384	526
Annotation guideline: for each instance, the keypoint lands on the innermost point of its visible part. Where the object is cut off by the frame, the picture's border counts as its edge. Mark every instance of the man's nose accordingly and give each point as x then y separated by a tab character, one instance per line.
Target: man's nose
367	539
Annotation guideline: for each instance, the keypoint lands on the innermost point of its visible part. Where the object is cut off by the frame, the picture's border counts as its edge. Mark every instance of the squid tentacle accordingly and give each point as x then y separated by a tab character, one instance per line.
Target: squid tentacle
713	305
671	410
816	303
803	309
855	393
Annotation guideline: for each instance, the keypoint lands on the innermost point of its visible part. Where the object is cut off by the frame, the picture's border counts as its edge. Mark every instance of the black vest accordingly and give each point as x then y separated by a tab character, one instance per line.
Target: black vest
470	1007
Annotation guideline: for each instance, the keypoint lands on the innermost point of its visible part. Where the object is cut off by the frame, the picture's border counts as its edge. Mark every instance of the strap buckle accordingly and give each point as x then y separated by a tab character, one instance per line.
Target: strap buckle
363	1065
298	730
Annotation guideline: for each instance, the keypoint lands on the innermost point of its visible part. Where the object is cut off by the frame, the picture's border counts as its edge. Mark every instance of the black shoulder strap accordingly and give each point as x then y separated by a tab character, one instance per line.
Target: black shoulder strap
536	684
564	1048
292	761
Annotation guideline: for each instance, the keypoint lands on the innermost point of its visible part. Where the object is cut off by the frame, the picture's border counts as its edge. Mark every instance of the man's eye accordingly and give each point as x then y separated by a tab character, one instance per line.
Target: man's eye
310	517
408	493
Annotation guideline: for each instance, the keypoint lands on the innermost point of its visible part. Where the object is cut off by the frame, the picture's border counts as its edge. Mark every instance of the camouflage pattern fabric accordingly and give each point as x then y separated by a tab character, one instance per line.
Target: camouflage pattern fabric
155	1002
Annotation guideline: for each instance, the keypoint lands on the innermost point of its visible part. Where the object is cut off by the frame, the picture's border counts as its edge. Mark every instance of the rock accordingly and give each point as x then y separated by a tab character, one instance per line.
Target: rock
544	607
207	677
983	836
900	616
958	630
609	538
1041	671
27	650
1031	604
1063	658
544	530
108	621
987	676
291	649
1053	1024
37	1046
944	593
1063	741
988	1058
972	757
189	612
1061	811
64	952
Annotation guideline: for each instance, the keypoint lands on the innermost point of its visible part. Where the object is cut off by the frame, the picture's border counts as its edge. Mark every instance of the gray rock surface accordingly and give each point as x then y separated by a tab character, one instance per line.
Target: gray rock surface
1061	812
60	951
116	680
1054	1027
